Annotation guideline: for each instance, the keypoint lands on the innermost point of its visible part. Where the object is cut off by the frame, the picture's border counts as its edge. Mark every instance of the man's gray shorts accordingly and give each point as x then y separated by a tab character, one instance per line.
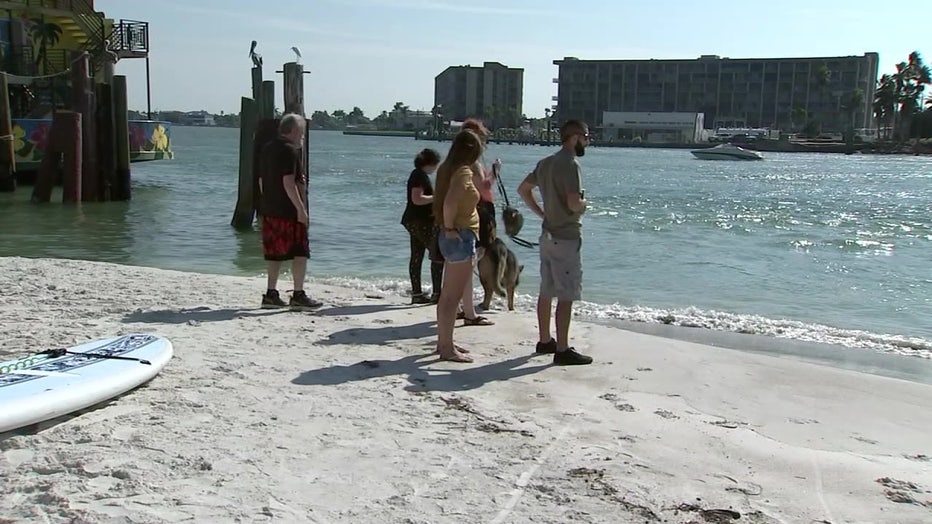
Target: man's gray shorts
560	268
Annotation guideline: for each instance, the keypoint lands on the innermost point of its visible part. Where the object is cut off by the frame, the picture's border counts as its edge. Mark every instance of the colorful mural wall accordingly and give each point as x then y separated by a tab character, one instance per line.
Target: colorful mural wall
148	140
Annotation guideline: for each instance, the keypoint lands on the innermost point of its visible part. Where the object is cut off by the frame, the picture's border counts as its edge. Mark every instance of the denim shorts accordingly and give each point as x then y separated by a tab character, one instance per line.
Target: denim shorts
459	249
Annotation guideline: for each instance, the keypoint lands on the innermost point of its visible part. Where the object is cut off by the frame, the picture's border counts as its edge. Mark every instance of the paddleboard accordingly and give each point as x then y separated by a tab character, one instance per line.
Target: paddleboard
50	384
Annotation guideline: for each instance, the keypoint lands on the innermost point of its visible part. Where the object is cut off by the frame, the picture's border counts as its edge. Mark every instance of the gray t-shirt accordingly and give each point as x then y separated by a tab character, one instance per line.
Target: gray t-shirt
556	176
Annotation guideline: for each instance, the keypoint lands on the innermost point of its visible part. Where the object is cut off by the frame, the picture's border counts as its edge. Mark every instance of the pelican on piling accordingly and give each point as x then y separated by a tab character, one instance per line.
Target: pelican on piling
256	57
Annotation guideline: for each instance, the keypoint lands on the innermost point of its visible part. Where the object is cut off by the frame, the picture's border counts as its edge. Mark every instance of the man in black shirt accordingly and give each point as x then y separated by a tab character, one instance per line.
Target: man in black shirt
282	186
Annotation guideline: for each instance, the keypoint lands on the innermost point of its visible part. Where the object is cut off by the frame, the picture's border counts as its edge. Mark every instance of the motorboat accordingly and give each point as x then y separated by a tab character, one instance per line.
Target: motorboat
727	152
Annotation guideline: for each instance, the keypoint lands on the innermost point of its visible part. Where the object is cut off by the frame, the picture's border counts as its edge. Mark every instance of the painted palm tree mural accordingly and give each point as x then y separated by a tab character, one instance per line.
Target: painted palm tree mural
44	35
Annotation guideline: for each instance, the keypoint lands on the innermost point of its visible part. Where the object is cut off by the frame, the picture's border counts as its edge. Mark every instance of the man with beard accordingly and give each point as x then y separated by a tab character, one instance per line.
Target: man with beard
558	179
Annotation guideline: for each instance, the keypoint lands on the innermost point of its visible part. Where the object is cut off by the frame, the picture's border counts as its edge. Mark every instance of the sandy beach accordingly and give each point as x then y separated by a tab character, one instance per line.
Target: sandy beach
344	415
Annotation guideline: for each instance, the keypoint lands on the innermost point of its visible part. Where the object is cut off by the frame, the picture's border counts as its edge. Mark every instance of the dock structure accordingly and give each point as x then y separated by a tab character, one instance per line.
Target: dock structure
63	113
258	125
88	144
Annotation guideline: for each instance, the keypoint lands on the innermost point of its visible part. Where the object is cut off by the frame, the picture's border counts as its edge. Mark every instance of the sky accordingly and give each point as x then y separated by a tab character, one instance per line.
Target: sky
373	53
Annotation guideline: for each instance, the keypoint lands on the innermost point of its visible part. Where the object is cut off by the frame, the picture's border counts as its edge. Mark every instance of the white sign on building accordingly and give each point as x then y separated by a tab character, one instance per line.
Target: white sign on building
653	127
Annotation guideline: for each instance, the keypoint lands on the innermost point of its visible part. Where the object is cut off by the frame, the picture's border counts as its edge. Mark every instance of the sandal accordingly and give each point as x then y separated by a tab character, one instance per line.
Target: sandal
478	321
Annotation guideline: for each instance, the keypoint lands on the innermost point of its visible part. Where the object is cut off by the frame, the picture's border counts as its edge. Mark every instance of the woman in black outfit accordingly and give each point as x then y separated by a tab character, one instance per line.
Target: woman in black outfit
418	219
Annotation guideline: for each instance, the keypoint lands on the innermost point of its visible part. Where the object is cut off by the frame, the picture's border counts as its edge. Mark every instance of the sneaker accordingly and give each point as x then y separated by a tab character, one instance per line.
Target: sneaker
271	300
434	298
302	302
570	357
546	347
420	299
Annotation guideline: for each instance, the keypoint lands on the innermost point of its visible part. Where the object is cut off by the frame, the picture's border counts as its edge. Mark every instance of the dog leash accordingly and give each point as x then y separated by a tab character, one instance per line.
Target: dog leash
501	189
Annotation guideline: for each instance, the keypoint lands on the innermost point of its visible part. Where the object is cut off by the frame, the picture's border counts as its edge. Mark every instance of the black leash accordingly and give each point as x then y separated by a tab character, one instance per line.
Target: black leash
55	353
501	189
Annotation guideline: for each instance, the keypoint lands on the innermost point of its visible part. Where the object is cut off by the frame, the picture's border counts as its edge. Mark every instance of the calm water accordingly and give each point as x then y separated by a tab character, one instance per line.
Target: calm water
827	248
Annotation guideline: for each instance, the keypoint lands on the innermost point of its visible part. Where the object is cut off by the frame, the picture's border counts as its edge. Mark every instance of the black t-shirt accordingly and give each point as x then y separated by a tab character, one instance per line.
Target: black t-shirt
414	212
279	158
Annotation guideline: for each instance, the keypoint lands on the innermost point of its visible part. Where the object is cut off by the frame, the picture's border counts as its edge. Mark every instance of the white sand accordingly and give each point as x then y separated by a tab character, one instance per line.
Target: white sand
343	416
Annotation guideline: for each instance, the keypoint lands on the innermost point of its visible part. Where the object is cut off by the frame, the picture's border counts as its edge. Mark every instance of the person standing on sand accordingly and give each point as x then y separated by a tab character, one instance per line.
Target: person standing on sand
418	219
560	183
484	182
455	212
282	184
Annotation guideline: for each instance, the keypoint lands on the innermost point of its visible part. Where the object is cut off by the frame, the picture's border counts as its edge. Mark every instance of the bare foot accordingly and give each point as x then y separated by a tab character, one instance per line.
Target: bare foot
456	356
457	348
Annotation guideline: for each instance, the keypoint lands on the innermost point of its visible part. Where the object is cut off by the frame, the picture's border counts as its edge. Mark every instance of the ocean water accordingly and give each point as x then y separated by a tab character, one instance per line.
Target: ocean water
806	247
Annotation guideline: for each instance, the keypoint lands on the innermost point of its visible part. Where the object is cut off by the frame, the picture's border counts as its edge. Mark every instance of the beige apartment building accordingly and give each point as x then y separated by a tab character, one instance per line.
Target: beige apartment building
744	92
493	92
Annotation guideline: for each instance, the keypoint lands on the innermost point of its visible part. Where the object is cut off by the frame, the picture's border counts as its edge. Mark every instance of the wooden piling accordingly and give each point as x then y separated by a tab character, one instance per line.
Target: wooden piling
71	141
294	103
121	137
7	155
294	88
83	102
267	100
266	130
246	200
256	83
51	161
106	141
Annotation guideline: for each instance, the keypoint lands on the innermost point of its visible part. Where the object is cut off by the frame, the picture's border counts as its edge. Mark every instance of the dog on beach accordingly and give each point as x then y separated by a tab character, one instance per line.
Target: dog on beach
499	273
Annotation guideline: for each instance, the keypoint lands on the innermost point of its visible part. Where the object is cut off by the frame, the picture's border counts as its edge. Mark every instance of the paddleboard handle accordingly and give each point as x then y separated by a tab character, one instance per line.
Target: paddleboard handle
54	353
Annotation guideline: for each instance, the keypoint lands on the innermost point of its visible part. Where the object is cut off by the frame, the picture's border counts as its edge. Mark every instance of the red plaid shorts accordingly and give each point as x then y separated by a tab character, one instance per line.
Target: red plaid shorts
284	239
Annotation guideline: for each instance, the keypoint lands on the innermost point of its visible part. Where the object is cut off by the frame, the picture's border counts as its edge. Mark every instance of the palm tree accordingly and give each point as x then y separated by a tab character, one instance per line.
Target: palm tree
491	116
797	117
823	79
853	104
45	35
885	103
918	76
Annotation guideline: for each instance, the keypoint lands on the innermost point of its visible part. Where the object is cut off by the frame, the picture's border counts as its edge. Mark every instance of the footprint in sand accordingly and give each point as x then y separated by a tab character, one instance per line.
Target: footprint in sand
865	440
901	491
665	414
803	421
645	369
620	406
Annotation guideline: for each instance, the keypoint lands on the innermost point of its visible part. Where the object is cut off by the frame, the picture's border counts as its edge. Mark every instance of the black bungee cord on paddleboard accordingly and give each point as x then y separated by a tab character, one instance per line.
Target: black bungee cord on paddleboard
59	352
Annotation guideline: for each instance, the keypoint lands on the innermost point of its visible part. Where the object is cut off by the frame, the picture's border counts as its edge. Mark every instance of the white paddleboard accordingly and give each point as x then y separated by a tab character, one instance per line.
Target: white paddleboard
44	386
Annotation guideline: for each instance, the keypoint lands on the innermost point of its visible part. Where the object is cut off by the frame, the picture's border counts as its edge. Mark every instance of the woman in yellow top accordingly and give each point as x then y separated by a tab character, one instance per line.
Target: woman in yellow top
455	202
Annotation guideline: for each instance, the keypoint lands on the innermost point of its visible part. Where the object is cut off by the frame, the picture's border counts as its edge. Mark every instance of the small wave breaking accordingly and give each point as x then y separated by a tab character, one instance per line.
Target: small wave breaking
696	318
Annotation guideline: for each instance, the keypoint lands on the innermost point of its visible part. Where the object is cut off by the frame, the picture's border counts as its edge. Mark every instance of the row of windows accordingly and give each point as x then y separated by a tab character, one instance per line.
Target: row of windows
714	66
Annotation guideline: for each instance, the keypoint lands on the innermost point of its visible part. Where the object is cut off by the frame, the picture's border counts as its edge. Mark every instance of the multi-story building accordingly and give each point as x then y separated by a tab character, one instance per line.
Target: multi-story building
493	92
40	39
781	93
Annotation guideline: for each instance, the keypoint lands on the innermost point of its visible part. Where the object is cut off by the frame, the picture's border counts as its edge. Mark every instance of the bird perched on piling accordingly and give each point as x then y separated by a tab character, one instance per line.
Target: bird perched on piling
297	53
108	51
256	57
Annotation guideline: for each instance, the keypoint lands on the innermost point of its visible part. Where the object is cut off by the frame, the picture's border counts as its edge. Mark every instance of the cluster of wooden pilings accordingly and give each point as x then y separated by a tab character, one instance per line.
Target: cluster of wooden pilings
88	145
258	125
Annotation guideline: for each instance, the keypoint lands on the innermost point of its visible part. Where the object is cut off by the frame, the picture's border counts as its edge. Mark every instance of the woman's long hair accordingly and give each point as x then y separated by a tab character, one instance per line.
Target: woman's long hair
464	151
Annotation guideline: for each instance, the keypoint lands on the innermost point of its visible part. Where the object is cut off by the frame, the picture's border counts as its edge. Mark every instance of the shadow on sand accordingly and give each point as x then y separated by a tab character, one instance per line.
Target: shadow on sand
416	370
380	335
363	309
197	314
